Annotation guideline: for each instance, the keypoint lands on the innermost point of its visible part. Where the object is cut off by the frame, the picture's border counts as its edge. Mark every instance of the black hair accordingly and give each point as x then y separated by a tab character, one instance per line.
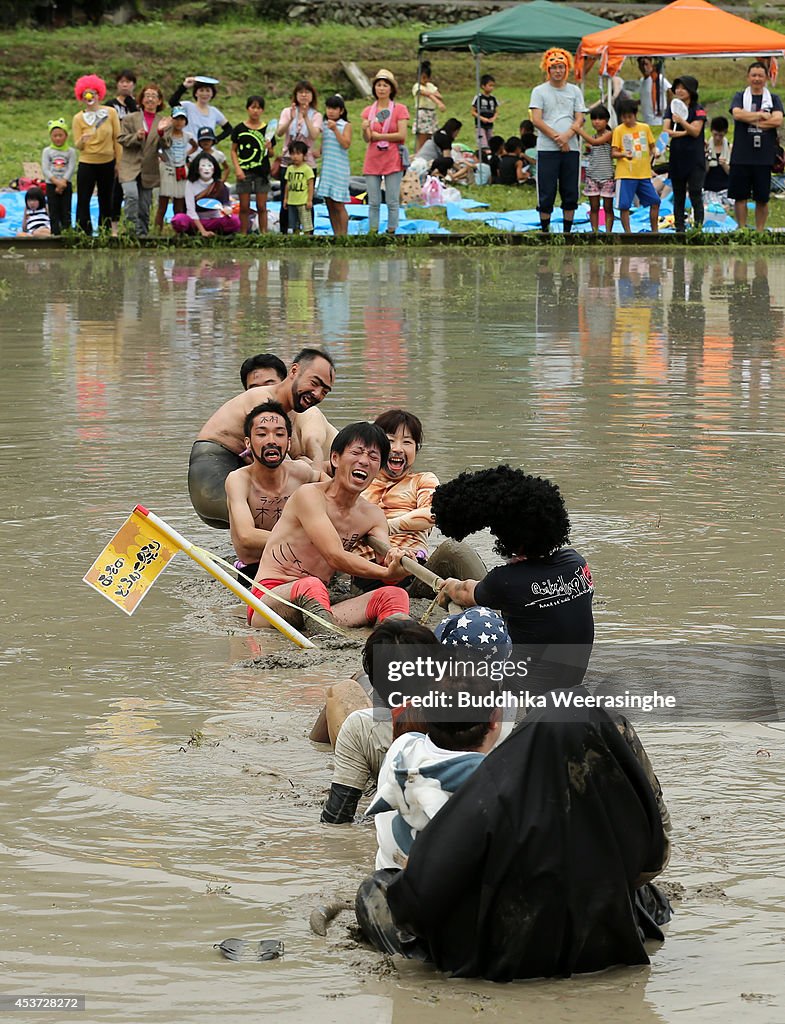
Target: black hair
256	98
336	100
193	170
442	165
405	632
719	124
458	734
307	355
526	126
600	112
368	433
525	514
302	86
125	73
452	124
496	144
392	419
425	68
513	144
204	85
262	361
758	64
442	140
269	406
34	192
487	78
298	146
627	106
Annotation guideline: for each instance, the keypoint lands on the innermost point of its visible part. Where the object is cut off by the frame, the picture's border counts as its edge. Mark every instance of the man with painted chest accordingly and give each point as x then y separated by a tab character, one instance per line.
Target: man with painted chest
316	535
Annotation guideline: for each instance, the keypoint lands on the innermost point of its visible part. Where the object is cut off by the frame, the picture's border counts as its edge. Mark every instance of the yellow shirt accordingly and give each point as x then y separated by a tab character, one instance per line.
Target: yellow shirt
638	140
102	146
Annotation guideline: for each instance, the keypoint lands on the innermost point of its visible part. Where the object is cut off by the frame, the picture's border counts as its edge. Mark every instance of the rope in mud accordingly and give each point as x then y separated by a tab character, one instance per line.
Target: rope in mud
330	626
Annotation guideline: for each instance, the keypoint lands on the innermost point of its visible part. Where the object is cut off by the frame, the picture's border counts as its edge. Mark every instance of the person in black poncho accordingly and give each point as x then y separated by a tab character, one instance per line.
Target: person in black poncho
540	864
533	867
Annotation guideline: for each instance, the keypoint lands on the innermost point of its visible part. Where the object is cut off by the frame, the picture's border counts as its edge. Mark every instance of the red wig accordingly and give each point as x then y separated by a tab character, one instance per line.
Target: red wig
98	85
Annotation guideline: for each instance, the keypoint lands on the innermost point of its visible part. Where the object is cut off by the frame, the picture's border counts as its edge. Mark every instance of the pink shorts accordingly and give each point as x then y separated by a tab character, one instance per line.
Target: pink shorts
606	189
270	585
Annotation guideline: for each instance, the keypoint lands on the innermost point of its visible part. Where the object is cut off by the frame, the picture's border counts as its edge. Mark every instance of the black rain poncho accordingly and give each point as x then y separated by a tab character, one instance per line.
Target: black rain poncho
530	869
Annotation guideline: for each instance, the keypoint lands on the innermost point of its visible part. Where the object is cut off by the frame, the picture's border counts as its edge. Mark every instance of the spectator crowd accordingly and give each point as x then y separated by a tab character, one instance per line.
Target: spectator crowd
128	149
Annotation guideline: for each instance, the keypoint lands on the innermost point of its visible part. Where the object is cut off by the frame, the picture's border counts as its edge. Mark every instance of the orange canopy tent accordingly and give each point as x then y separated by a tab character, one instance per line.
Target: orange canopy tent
685	28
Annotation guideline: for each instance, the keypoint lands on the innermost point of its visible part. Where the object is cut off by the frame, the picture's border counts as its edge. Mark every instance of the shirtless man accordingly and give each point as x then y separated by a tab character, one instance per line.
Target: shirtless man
320	526
262	371
217	450
256	494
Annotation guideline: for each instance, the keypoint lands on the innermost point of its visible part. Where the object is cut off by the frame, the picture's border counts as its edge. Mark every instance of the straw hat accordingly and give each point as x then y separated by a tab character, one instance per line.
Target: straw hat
385	74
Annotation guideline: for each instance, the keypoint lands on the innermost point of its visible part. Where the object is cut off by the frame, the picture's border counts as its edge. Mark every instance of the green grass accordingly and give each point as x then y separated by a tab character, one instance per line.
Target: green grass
41	67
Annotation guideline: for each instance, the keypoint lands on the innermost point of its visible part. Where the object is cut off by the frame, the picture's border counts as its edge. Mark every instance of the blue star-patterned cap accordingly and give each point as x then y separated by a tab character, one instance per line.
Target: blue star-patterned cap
480	628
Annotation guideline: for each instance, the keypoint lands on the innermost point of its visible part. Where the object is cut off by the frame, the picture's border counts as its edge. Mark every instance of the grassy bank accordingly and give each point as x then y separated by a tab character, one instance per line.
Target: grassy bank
474	239
41	67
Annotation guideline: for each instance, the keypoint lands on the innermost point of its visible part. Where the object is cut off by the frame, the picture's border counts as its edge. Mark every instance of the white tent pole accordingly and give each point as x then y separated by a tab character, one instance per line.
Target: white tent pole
417	101
477	84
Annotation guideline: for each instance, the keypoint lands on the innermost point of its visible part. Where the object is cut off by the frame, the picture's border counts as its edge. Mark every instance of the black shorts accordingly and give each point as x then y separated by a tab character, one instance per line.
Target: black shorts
208	468
562	171
747	180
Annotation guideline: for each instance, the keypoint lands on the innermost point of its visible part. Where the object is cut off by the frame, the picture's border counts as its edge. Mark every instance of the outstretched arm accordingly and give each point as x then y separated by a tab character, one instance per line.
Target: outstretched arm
460	591
310	508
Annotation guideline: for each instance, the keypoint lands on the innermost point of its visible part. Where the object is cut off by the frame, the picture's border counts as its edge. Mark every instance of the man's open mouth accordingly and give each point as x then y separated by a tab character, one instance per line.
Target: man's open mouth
359	474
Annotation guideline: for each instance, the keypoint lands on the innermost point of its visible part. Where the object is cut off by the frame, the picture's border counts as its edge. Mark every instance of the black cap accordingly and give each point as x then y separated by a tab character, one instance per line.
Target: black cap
205	133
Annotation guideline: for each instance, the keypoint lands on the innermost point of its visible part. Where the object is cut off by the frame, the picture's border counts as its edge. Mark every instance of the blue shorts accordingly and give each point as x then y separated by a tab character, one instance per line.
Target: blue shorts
628	188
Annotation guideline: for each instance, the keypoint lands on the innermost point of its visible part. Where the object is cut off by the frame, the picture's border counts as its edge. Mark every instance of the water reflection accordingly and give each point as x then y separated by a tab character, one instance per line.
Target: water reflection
696	323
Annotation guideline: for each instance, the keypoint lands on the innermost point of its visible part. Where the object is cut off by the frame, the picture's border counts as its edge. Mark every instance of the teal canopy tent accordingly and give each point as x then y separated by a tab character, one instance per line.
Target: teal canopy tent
527	28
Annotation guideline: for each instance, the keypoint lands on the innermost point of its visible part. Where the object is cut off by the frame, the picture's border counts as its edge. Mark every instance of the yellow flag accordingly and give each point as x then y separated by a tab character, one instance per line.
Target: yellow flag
131	562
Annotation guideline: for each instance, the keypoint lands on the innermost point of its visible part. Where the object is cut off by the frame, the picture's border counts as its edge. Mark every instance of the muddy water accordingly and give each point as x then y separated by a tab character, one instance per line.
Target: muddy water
158	791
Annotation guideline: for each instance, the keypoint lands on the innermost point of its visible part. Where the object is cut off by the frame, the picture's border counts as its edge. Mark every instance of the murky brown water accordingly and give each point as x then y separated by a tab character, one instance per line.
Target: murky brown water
651	388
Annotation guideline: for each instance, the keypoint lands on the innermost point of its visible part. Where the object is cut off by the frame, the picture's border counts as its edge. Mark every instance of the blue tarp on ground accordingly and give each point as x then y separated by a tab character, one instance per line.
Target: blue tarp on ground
412	223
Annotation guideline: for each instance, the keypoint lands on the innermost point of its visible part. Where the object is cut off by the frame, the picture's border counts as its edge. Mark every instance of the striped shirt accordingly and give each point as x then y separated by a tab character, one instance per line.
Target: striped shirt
395	498
600	164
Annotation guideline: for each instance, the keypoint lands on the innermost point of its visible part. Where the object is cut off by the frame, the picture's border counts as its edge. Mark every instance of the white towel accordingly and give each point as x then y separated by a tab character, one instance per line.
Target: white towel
766	103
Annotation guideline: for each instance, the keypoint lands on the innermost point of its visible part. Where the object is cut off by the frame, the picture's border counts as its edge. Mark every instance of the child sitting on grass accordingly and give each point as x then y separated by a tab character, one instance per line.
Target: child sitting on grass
512	168
717	157
35	219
